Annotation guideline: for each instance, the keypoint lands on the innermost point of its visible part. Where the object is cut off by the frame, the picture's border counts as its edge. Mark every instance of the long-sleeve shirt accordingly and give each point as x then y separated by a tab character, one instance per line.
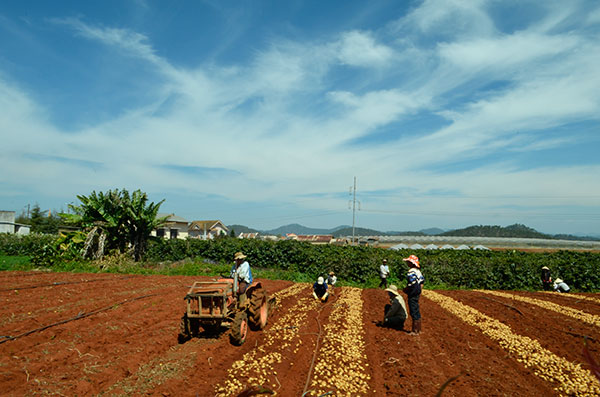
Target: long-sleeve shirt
414	280
384	271
331	280
242	272
397	308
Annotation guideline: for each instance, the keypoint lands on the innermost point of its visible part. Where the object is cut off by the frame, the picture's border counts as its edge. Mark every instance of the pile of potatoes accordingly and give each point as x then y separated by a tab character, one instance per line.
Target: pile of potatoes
341	366
281	340
568	311
568	378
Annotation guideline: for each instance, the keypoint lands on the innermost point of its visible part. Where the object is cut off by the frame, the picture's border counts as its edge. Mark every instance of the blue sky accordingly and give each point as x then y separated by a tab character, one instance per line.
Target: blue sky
449	113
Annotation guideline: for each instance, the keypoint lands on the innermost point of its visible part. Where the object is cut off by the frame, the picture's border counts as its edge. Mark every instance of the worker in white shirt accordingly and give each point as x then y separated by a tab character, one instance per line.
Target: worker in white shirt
331	280
384	272
242	273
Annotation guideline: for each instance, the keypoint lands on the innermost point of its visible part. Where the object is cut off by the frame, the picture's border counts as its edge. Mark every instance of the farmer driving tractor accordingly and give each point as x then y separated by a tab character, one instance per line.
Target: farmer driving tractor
241	274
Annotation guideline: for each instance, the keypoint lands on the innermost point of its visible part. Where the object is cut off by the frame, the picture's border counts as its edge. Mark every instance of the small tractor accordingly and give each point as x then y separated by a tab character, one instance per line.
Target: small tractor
214	303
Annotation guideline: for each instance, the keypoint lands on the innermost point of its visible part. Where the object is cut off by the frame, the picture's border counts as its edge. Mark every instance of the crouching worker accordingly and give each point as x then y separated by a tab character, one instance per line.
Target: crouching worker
320	290
395	311
561	286
331	280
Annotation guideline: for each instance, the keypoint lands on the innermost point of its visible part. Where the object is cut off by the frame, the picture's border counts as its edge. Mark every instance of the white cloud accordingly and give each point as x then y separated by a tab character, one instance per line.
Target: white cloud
454	18
360	49
506	51
282	127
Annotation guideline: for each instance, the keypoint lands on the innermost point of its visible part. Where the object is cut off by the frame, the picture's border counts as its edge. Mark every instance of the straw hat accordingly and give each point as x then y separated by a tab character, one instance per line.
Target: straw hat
413	259
331	273
320	280
545	268
558	281
239	255
393	289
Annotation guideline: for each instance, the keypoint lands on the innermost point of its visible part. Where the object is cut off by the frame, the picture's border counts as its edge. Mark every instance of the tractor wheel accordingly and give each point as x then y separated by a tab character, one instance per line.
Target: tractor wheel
258	310
185	333
239	328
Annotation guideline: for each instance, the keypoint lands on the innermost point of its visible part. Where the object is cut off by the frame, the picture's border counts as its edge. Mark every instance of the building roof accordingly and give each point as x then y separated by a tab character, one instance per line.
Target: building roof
400	246
315	238
248	235
172	218
206	225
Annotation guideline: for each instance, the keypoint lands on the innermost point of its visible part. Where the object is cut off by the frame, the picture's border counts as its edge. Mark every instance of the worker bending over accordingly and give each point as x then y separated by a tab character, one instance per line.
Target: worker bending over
320	290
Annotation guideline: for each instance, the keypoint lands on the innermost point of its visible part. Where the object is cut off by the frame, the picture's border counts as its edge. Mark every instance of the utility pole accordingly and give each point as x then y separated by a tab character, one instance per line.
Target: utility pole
353	209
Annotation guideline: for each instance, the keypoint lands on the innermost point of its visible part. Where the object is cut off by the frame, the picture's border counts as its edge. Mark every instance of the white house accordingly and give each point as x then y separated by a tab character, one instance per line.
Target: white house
174	227
207	230
8	225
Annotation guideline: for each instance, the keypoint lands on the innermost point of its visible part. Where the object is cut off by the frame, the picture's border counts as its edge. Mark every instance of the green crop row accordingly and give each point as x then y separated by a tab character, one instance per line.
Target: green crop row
357	265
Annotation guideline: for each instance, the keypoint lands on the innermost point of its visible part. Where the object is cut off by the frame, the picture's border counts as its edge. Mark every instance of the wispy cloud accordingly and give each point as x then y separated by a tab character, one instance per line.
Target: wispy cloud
277	127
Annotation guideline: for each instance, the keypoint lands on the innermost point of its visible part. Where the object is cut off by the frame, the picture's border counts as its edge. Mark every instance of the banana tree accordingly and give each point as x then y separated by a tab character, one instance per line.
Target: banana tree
141	220
115	220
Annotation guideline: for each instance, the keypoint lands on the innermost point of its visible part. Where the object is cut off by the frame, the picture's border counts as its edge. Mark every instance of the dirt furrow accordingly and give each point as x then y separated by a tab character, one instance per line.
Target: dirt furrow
402	364
566	377
564	310
562	335
284	349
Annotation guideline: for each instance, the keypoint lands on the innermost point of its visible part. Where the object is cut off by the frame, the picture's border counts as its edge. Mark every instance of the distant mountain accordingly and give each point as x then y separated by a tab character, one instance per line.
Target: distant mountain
296	229
432	231
579	238
241	229
358	231
516	230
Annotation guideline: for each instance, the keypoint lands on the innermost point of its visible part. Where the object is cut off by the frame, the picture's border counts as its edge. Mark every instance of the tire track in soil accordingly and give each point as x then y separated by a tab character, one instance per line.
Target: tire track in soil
562	335
402	364
566	377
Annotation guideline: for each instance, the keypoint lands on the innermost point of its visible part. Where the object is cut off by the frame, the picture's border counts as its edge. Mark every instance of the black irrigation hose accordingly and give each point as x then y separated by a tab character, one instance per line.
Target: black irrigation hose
77	317
63	283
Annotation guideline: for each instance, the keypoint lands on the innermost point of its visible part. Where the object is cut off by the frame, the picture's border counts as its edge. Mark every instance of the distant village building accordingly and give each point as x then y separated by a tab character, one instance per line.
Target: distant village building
207	230
270	237
311	238
248	235
174	227
8	225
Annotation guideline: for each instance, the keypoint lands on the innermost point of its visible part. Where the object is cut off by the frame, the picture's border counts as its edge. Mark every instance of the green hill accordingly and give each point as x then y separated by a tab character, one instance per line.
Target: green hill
515	231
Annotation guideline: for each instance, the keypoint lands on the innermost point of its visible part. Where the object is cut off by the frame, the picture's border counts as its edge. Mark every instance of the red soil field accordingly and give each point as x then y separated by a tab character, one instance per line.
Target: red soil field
121	339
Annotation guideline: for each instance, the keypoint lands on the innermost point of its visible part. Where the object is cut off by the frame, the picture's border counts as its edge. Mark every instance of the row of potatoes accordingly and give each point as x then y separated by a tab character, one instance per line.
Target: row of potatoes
568	378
